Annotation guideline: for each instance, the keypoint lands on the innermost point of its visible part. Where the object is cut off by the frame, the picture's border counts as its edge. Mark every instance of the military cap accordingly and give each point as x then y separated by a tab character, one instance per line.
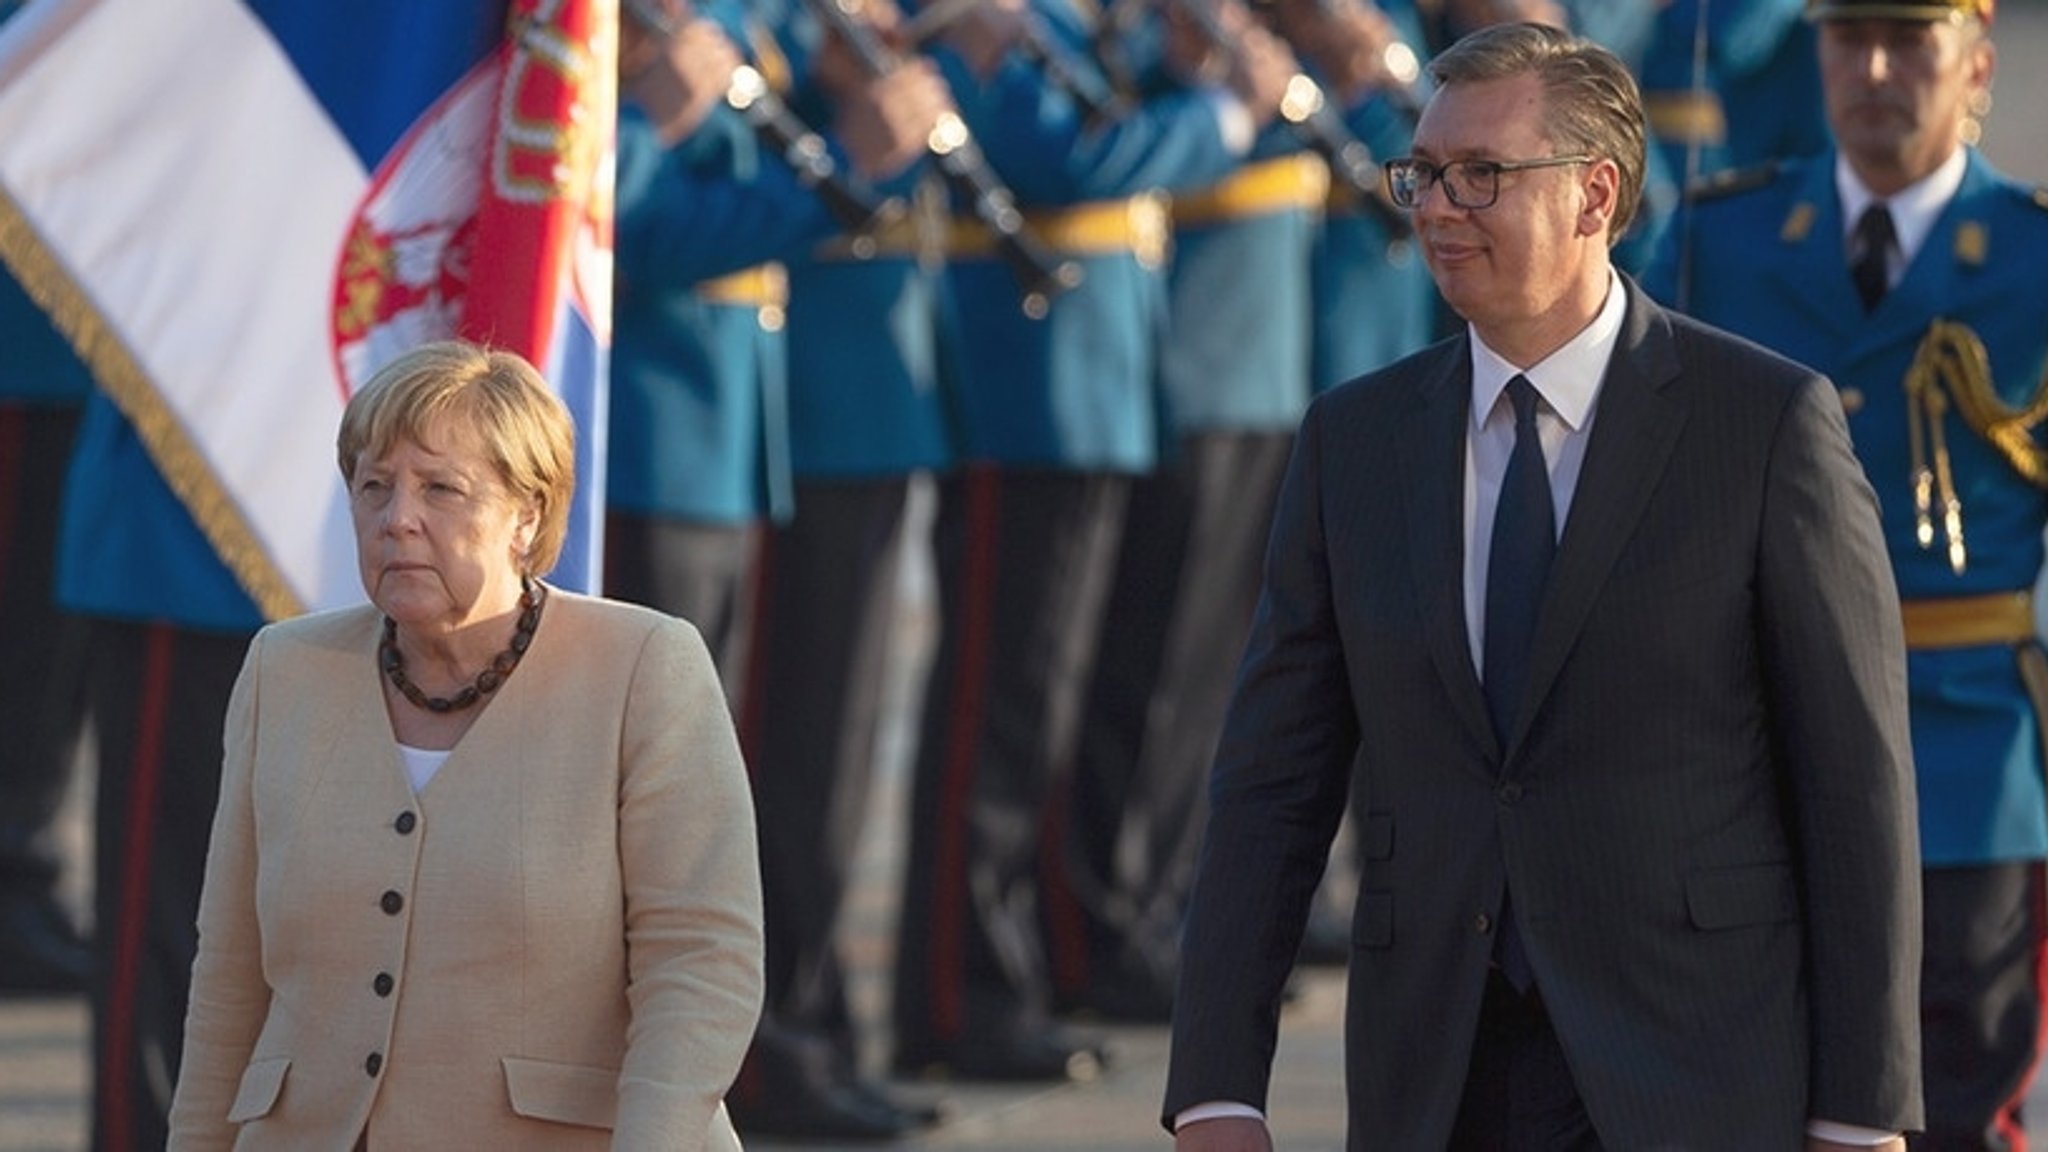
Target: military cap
1899	9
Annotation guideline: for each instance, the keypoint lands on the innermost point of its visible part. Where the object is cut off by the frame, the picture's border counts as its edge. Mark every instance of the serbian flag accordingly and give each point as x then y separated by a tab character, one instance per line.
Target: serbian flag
238	210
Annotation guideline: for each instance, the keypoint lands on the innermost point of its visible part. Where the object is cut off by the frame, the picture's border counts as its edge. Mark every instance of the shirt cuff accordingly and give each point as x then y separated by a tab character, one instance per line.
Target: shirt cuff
1216	1110
1844	1133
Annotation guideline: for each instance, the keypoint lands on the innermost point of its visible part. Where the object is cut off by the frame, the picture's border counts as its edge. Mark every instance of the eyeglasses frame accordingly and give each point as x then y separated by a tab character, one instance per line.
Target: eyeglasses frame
1436	175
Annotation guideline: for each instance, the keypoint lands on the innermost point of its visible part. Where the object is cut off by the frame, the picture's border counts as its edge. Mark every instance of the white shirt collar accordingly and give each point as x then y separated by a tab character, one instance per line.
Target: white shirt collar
1567	379
1914	209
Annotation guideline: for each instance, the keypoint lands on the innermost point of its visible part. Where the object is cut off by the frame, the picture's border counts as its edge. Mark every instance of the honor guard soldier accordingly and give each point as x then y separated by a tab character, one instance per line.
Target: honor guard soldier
1906	268
704	471
42	389
866	396
1056	413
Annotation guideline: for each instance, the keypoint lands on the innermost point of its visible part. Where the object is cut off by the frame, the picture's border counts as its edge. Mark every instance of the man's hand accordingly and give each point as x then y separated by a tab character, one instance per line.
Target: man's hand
985	35
886	124
1255	64
678	81
1226	1134
1348	41
1815	1144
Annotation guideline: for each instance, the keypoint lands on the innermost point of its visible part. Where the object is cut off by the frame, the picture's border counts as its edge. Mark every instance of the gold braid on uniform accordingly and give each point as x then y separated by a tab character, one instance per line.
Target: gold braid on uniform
1951	367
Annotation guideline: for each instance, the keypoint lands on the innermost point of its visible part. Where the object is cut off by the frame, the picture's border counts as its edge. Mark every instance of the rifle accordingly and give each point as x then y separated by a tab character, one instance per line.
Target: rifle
1040	273
856	206
1309	114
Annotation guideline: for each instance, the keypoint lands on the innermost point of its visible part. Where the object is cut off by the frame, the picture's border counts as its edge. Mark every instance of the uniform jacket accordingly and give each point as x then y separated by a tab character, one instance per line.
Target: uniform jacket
872	360
128	547
556	944
699	425
1704	811
1373	300
40	367
1769	263
1076	389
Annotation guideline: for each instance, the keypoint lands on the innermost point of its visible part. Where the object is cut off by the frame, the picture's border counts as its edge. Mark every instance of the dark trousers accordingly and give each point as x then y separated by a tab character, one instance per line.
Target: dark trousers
1128	816
1980	1003
159	698
1519	1093
42	687
701	571
822	657
1023	562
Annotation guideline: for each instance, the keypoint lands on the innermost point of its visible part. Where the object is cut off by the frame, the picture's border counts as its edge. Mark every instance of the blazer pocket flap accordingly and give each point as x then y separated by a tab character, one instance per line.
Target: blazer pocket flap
261	1082
1749	894
1372	920
563	1093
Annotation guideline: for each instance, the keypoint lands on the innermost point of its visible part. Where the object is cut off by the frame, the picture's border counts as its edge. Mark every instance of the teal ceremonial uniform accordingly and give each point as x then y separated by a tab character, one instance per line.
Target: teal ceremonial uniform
699	451
1976	740
1371	296
698	423
1052	418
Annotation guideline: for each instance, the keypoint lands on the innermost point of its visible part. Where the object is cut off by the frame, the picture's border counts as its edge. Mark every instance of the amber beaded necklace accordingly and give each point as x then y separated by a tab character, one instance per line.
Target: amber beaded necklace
531	597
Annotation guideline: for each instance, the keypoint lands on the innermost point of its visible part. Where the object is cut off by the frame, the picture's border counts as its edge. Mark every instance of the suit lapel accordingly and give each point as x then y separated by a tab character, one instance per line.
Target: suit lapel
1432	471
1636	425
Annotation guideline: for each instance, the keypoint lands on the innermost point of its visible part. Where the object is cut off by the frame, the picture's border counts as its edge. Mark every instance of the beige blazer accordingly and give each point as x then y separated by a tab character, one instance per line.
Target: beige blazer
556	944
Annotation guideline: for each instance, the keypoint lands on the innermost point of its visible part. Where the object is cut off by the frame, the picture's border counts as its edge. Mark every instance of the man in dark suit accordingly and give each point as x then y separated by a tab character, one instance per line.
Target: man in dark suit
1590	606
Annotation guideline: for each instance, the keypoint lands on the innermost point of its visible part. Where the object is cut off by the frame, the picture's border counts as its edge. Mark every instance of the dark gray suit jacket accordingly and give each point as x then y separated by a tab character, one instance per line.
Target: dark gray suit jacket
1705	811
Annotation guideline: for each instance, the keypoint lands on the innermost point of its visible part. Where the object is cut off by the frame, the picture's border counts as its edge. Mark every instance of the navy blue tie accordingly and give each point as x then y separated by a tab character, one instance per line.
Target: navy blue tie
1524	540
1874	239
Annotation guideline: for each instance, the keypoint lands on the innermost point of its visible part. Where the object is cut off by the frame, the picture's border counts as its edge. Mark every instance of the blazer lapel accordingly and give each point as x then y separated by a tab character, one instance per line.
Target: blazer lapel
1432	472
1636	426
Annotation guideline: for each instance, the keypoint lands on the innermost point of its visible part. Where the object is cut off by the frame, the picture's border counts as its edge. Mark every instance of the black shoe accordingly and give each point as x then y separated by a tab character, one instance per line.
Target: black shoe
923	1114
824	1112
40	952
1022	1054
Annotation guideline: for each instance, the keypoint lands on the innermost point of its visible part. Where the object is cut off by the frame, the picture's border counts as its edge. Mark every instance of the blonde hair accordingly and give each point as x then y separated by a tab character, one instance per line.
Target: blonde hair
523	427
1591	102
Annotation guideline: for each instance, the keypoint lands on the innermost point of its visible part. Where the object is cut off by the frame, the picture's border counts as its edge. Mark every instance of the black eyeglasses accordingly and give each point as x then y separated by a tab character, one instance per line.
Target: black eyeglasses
1470	184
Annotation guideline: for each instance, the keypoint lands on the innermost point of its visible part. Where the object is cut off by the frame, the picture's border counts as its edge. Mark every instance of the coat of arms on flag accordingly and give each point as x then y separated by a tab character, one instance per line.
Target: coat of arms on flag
239	209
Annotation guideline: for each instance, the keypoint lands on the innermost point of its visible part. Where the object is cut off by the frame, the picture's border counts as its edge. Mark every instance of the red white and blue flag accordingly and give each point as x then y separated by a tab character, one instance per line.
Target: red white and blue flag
239	209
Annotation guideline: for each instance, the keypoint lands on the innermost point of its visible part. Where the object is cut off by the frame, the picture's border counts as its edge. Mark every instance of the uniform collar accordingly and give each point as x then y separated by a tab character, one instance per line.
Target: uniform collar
1914	209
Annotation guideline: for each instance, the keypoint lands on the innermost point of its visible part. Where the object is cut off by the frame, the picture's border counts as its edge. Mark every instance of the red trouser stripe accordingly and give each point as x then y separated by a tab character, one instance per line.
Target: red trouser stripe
119	1057
948	955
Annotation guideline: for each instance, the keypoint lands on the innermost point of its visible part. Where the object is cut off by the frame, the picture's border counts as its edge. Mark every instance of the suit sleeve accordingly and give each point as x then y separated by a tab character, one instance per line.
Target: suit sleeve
1835	664
693	897
228	995
1277	793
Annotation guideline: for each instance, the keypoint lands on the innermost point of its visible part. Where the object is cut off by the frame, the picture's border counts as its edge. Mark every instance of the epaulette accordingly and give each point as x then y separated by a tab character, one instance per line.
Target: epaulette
1731	182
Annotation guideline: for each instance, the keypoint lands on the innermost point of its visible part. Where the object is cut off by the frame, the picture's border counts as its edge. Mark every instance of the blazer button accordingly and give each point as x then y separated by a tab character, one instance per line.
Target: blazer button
374	1064
1508	792
392	903
405	823
1482	923
382	984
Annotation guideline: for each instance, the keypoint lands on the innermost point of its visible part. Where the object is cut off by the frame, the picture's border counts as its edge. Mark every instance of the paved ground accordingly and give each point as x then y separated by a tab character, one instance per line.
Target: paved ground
43	1073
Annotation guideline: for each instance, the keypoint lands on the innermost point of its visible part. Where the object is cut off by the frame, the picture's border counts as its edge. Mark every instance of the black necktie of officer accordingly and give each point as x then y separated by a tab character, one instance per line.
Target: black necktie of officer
1874	238
1524	540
